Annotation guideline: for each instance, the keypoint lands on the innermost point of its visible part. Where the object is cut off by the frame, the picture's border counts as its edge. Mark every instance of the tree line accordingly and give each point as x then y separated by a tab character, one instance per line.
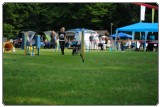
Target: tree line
47	16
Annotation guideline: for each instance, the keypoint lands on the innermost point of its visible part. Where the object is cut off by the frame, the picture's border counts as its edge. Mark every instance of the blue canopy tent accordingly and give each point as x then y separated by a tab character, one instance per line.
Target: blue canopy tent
122	35
139	27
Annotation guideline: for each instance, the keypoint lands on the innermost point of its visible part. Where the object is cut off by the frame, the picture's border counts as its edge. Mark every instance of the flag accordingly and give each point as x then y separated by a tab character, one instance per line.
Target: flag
143	8
153	11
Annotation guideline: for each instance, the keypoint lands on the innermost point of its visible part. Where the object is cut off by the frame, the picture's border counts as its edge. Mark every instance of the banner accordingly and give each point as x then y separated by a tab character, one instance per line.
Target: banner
153	11
143	8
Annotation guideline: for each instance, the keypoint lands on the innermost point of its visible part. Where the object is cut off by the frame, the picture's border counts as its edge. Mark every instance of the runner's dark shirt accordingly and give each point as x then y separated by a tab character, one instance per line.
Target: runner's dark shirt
62	36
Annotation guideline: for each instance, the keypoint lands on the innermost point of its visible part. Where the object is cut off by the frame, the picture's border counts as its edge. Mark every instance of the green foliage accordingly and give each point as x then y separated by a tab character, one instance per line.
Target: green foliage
9	31
7	28
48	16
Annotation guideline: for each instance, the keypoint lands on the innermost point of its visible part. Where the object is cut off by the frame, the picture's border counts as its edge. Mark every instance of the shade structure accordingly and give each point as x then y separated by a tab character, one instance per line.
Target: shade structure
139	27
122	35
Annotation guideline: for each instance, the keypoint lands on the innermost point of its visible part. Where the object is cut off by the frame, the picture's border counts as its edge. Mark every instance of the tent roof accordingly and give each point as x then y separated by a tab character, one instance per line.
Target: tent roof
140	27
30	34
47	33
79	30
122	35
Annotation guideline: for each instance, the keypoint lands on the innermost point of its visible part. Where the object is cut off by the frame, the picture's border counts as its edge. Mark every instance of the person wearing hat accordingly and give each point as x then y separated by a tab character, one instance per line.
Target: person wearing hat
62	38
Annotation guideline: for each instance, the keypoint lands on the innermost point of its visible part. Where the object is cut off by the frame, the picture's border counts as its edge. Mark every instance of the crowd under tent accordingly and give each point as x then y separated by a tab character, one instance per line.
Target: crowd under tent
139	27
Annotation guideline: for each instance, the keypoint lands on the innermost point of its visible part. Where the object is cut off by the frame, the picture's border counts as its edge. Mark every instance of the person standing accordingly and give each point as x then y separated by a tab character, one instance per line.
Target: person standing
96	40
62	38
102	43
53	39
91	41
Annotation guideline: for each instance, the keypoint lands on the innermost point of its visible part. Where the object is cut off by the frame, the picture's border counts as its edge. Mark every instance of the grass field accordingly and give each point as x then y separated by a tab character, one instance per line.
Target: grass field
106	78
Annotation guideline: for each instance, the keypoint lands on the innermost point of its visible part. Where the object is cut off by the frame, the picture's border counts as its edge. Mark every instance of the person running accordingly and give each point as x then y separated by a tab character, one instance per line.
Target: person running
62	38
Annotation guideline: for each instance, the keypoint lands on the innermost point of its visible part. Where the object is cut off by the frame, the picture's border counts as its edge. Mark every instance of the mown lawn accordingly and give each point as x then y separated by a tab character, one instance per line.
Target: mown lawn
106	78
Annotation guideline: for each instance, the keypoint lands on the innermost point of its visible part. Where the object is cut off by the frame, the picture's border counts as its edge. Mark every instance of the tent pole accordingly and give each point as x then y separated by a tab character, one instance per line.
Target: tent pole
116	36
133	34
115	43
140	31
146	33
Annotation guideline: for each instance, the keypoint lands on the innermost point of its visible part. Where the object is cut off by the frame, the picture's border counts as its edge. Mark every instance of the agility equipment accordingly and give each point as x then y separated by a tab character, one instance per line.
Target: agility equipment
8	47
31	47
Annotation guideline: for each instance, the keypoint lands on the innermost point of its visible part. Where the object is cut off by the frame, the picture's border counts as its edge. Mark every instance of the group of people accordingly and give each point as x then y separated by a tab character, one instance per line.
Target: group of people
107	42
60	40
96	42
93	40
102	42
127	44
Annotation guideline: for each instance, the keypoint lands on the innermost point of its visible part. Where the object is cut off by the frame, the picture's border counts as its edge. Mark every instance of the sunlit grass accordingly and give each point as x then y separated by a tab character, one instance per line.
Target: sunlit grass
106	78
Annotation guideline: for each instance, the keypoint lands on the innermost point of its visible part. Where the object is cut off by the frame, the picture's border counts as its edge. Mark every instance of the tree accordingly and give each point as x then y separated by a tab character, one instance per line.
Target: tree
47	16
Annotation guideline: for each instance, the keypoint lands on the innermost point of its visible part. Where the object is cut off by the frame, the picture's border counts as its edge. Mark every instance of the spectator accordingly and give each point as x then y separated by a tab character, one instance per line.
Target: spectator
53	39
96	40
127	44
91	41
47	44
42	40
108	44
107	33
102	43
118	42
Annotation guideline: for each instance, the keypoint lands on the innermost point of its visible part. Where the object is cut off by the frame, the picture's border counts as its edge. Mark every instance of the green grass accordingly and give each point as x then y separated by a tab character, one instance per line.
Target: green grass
106	78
